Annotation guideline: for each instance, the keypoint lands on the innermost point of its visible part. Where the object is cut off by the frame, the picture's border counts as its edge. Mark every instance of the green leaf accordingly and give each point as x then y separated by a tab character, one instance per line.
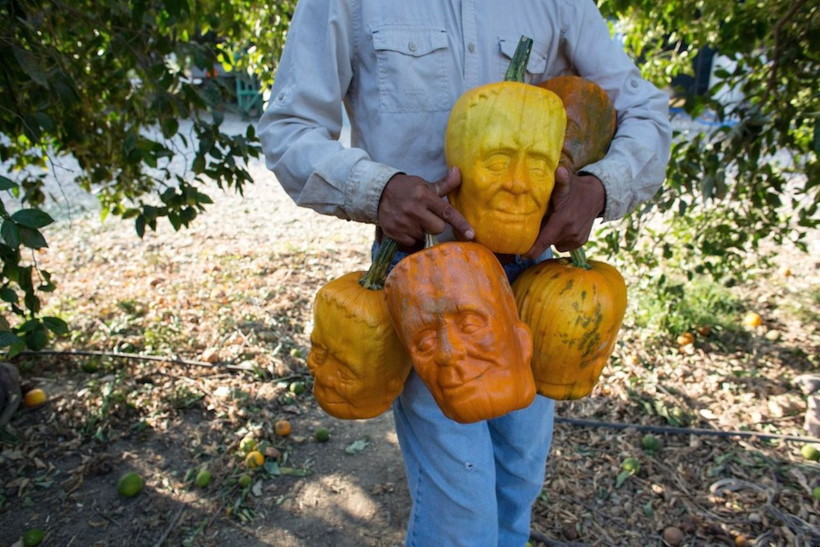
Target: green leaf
55	325
36	339
10	233
8	338
6	183
32	238
16	349
32	218
357	446
8	295
28	62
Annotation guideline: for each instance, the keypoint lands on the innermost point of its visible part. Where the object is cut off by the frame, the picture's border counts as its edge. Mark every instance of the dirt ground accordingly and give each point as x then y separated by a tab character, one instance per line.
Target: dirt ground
227	307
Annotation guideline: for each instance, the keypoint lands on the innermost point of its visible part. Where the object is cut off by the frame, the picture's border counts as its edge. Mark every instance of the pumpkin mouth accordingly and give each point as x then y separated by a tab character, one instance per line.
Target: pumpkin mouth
453	380
512	204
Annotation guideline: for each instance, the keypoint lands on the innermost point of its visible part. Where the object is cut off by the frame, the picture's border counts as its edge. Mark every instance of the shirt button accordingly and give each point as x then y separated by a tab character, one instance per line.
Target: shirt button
634	83
411	46
471	47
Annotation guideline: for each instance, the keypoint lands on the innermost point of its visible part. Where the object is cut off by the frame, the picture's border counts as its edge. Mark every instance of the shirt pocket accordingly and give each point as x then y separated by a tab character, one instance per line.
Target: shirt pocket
411	65
536	64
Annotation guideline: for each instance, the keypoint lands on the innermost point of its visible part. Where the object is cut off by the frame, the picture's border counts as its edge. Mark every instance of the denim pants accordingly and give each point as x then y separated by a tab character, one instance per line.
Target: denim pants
471	484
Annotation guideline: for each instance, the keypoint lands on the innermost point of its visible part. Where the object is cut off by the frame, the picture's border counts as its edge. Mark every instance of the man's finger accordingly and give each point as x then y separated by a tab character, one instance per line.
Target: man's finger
451	216
448	183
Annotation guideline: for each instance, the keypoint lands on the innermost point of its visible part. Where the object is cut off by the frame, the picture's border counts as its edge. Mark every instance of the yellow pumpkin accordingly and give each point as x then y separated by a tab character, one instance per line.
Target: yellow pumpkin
506	139
574	309
358	363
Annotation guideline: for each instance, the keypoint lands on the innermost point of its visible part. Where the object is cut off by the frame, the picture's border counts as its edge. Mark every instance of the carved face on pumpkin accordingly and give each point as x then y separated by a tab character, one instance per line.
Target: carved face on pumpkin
454	311
506	139
360	369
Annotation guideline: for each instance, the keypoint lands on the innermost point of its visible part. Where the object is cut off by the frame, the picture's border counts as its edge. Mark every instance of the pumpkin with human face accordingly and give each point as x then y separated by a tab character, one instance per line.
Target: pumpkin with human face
357	361
455	314
506	139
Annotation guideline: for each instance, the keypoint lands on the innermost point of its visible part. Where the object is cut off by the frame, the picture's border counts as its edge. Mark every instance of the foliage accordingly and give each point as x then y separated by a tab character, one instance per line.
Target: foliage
748	183
106	85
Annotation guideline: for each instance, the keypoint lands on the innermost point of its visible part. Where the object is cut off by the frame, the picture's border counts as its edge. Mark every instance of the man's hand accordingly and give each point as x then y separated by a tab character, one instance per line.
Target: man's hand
575	204
410	207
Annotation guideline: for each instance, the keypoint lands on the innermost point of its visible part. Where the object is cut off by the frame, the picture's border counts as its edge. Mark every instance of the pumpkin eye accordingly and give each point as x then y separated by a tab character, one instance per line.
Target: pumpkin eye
318	355
426	341
497	162
471	322
538	166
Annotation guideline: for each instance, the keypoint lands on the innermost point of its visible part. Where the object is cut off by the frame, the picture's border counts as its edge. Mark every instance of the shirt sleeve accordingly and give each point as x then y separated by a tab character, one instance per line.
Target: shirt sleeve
300	128
635	165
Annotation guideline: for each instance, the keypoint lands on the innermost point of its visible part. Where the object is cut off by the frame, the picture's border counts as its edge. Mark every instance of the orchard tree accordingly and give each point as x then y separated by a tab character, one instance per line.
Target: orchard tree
106	85
747	184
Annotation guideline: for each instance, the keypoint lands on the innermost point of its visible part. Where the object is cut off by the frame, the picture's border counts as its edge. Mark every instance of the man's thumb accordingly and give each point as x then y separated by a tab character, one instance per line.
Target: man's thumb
563	182
449	183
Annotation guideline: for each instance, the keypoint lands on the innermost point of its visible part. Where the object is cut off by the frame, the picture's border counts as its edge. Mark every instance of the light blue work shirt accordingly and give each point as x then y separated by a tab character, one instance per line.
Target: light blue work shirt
399	66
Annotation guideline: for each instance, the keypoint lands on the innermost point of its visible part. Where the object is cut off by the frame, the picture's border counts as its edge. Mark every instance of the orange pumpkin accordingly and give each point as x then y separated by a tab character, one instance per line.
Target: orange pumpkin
591	120
358	363
505	138
455	313
574	309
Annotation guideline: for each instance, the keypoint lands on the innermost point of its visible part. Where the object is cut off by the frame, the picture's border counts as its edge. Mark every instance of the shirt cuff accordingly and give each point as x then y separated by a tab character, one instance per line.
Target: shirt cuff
612	175
366	184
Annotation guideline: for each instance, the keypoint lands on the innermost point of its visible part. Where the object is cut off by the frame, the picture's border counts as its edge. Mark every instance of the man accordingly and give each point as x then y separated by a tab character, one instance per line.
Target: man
399	67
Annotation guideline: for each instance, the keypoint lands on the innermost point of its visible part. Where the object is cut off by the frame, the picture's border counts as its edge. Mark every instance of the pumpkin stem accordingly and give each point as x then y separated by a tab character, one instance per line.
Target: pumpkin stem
518	65
579	258
373	280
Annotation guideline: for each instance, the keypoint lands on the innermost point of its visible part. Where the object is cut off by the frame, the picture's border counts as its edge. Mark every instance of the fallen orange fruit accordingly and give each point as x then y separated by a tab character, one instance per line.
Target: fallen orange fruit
34	397
282	428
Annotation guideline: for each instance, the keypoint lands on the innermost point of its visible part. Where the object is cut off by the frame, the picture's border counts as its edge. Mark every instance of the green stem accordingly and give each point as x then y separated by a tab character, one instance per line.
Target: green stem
579	258
373	280
518	65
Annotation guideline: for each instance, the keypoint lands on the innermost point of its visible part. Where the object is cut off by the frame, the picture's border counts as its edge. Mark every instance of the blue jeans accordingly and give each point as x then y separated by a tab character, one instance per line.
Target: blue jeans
471	484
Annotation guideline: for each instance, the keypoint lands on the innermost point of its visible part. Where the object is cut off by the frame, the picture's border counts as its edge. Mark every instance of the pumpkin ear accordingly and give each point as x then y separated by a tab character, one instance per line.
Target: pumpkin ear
522	332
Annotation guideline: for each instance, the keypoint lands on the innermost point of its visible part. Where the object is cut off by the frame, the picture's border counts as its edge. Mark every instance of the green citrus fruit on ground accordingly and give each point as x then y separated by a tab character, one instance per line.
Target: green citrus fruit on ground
130	484
34	397
297	388
203	478
33	537
244	480
247	444
631	464
254	459
90	365
810	452
815	493
322	435
651	442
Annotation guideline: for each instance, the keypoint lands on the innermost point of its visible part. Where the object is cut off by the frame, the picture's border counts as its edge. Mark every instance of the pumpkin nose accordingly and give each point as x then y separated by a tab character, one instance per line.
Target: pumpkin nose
450	347
517	181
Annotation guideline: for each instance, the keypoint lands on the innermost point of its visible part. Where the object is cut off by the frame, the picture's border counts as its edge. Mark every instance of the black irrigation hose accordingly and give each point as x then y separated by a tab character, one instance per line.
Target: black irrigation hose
137	356
684	430
558	419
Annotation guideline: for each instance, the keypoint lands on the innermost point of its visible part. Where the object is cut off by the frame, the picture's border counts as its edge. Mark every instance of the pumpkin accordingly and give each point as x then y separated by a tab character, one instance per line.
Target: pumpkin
574	309
506	139
591	120
357	361
454	311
